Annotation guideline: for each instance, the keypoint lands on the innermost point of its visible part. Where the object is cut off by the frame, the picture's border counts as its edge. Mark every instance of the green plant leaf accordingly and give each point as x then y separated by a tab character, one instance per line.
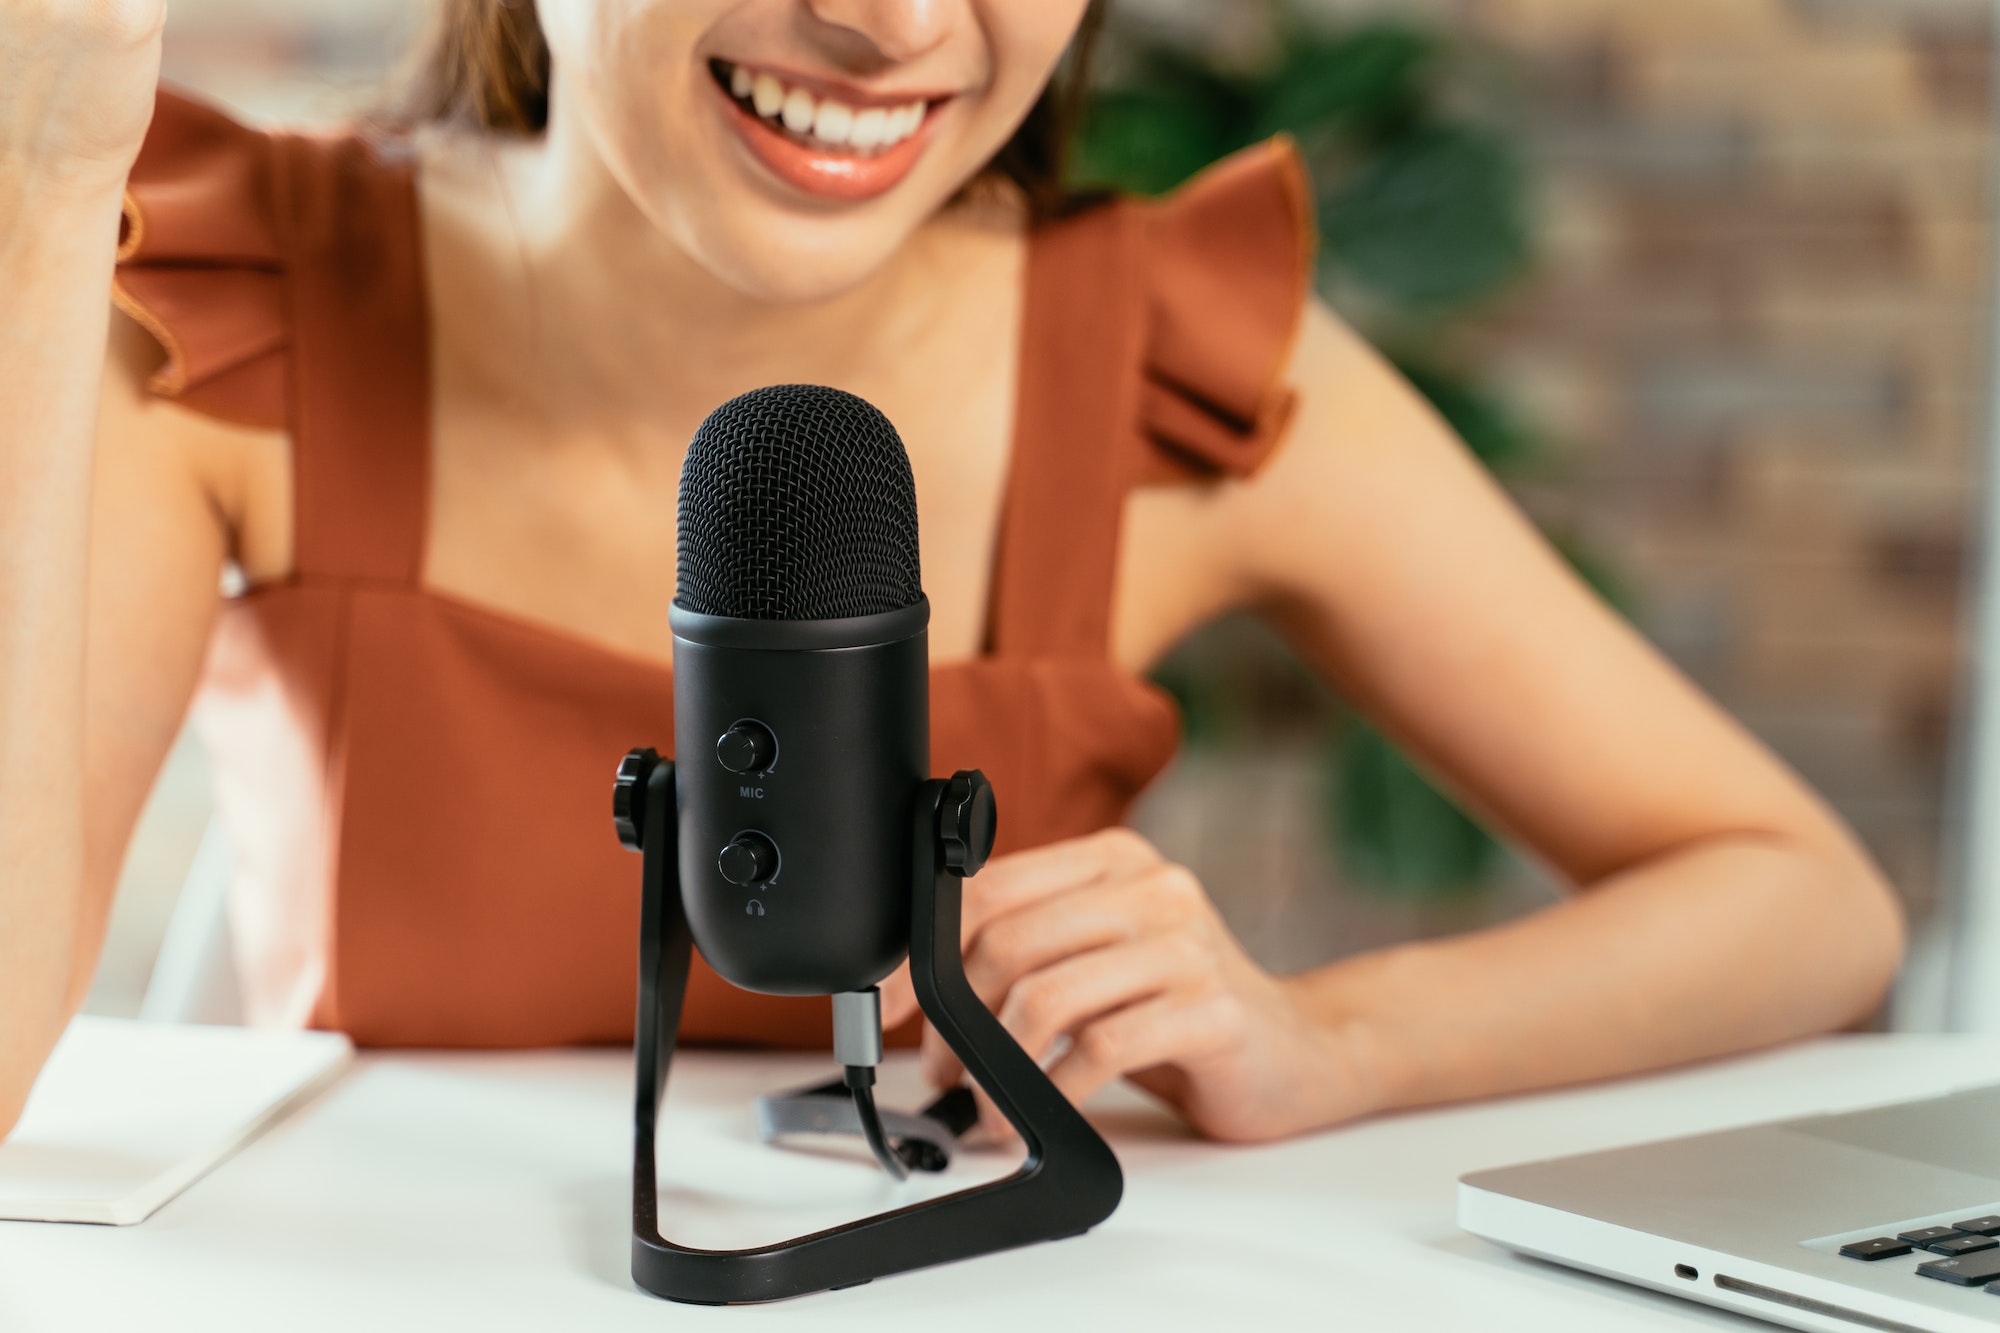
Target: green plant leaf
1144	142
1434	222
1362	81
1396	832
1174	117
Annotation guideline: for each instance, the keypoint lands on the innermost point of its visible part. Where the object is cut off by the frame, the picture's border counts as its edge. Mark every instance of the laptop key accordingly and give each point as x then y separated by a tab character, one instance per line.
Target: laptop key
1925	1235
1967	1270
1882	1247
1988	1225
1962	1245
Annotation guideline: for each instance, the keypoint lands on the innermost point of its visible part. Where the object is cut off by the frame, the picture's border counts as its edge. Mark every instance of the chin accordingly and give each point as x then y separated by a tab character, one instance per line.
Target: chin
775	257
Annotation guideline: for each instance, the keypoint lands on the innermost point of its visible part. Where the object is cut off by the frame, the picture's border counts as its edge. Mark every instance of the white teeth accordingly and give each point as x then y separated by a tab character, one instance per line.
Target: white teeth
830	122
833	123
871	128
798	111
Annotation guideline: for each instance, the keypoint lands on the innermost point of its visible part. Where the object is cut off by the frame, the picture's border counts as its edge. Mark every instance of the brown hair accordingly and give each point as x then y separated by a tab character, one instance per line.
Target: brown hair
485	63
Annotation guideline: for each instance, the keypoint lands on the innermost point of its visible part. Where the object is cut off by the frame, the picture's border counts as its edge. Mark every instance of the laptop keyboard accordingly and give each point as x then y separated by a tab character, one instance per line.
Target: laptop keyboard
1968	1252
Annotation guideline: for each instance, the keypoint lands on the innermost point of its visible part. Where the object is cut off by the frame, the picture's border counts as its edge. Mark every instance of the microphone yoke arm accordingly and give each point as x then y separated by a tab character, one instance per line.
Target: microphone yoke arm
1069	1182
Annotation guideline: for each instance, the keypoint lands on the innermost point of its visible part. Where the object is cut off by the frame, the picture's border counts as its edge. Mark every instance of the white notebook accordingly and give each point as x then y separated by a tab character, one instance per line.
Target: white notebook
126	1115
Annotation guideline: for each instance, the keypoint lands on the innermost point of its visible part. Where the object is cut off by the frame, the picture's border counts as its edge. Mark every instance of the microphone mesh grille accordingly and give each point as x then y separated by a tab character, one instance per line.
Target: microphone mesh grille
797	503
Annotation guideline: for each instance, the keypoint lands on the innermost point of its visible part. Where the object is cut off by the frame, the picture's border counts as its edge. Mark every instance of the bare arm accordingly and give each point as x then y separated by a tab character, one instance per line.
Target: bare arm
109	542
1721	906
55	267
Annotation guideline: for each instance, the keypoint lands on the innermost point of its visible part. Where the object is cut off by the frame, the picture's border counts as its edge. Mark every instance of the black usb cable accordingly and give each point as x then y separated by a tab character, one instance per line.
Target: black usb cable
857	1045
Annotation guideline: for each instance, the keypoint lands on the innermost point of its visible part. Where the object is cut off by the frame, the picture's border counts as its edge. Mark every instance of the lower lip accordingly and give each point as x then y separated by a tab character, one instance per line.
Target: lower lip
841	177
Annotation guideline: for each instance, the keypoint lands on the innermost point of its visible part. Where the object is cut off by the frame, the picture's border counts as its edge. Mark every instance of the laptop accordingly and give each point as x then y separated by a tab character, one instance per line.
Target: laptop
1885	1219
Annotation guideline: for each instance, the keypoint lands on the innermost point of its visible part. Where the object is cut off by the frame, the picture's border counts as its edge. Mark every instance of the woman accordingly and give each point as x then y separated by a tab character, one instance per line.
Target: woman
429	395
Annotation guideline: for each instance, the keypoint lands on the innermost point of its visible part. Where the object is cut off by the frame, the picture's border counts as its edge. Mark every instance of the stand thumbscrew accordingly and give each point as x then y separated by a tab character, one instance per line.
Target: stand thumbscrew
628	796
967	822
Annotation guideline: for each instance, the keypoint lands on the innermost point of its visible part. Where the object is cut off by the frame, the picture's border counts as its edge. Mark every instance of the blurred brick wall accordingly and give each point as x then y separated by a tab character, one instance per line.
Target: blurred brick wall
289	61
1758	329
1756	336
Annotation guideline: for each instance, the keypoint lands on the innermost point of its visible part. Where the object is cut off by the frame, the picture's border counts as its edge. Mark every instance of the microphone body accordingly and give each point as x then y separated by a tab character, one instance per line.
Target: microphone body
801	699
795	828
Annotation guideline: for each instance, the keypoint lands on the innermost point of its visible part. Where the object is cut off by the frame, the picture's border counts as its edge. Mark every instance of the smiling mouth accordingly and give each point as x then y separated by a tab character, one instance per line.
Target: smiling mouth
841	150
818	122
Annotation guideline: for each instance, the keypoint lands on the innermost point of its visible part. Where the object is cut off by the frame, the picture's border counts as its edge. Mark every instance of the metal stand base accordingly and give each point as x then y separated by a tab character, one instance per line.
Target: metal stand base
927	1139
1069	1183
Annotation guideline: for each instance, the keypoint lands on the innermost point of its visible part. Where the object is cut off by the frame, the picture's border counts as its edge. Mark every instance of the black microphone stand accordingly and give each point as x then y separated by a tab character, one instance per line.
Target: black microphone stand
1069	1182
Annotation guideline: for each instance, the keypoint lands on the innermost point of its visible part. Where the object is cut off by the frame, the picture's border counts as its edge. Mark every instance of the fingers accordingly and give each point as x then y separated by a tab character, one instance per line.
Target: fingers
1150	1039
1014	881
1096	941
1167	1029
1156	899
1034	912
1056	1001
1064	998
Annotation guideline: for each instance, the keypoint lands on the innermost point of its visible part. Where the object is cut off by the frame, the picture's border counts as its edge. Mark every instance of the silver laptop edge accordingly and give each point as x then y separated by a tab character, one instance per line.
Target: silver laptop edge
1752	1219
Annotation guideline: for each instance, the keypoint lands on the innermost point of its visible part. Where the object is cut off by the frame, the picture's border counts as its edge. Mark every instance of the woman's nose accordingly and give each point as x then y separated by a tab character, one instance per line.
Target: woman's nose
899	29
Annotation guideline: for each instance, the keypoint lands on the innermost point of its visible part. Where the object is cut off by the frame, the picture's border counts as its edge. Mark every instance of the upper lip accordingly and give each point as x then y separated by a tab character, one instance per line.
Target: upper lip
839	90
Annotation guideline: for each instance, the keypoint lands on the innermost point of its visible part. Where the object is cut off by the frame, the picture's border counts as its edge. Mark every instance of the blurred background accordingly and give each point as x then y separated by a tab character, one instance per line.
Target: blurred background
1706	284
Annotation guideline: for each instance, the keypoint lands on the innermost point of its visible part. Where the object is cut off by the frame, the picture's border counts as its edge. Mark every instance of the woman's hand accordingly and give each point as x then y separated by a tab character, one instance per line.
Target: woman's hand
1104	959
77	79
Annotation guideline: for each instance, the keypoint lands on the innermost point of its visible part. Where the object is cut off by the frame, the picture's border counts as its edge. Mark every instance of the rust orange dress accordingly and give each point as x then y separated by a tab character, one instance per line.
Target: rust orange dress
418	786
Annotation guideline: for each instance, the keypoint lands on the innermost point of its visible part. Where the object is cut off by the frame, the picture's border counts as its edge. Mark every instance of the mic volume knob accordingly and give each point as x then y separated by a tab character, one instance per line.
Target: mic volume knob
750	858
747	747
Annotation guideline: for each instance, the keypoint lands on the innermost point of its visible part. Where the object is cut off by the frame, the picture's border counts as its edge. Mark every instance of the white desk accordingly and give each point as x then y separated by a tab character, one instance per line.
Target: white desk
488	1192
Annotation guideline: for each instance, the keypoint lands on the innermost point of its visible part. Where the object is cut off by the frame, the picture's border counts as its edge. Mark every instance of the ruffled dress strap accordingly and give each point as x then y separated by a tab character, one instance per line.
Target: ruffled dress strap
1229	268
201	267
282	275
1083	335
1154	344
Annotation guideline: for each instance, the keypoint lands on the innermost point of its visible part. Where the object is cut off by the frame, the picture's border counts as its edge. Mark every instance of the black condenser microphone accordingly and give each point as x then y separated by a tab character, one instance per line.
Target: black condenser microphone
798	839
801	702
